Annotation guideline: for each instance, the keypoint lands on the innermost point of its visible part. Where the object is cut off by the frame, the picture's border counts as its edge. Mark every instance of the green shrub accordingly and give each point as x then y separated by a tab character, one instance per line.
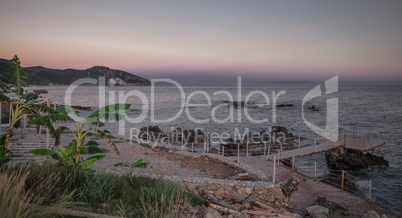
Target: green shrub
193	199
92	142
98	188
93	149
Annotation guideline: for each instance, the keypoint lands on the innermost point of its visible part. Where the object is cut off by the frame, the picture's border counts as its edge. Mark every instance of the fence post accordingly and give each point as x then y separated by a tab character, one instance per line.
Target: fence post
315	145
223	150
315	171
370	191
47	130
269	148
293	163
182	138
247	149
238	152
192	147
147	133
299	142
265	148
273	174
279	156
343	180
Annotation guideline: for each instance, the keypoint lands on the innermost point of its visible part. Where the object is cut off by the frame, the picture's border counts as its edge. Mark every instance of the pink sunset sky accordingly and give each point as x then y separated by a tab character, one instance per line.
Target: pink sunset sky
290	39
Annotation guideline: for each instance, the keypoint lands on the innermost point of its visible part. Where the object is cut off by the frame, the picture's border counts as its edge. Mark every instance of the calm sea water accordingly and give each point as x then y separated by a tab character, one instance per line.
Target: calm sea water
364	108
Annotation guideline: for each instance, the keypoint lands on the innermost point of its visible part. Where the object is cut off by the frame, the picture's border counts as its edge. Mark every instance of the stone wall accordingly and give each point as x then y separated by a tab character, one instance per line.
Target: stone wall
232	191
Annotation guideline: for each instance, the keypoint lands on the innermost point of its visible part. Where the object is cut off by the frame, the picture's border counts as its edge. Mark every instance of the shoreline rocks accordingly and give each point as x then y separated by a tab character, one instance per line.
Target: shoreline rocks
341	158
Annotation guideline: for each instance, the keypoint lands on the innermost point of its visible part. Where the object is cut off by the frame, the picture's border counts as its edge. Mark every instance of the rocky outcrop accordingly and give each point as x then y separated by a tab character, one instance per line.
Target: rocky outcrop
313	108
333	207
284	105
46	76
289	186
341	158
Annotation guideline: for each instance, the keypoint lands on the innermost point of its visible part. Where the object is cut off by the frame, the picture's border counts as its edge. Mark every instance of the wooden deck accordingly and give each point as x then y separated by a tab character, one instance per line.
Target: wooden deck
352	144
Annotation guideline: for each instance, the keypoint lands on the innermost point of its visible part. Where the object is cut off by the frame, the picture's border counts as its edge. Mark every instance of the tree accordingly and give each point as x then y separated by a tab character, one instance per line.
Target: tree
72	155
22	106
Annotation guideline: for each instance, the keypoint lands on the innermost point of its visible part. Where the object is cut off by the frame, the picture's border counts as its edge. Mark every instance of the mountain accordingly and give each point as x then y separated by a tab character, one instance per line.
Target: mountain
46	76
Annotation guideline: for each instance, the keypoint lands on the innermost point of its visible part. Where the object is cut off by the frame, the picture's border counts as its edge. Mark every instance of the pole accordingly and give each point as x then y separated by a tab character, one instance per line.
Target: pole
223	150
279	156
315	171
265	148
343	180
47	130
147	132
246	149
182	138
315	145
238	152
273	174
299	142
293	163
370	191
269	150
192	147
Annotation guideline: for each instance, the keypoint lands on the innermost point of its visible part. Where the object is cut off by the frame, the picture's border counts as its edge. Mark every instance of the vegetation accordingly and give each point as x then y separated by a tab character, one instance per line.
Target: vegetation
103	193
22	106
39	200
72	155
138	163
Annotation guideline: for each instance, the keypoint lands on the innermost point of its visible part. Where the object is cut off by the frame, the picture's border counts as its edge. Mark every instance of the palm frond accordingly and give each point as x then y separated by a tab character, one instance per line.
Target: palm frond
46	119
4	97
41	107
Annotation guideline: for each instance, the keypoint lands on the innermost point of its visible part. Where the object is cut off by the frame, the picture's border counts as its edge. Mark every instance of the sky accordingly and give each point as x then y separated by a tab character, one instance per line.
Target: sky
274	40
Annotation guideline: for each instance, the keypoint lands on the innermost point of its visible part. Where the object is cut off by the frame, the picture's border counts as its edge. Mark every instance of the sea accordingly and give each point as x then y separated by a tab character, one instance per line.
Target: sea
362	109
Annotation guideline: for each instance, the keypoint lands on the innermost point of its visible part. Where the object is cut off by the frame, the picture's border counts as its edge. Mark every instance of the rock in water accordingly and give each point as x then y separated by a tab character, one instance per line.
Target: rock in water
342	159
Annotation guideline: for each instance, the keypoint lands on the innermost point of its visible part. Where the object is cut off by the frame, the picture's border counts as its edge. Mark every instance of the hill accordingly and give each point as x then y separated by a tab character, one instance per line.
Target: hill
46	76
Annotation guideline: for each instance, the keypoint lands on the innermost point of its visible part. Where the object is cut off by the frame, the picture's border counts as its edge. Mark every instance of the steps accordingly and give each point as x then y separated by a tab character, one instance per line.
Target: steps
21	153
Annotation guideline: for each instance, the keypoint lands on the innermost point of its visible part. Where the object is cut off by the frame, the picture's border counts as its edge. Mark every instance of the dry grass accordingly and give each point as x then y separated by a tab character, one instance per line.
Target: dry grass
16	201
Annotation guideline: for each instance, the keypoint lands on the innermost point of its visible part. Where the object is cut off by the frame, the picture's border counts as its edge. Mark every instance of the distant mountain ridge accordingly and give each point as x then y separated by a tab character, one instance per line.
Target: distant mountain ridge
45	76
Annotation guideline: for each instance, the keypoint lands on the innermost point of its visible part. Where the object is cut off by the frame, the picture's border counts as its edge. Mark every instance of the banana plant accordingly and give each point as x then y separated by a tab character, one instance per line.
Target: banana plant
138	163
72	155
22	106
